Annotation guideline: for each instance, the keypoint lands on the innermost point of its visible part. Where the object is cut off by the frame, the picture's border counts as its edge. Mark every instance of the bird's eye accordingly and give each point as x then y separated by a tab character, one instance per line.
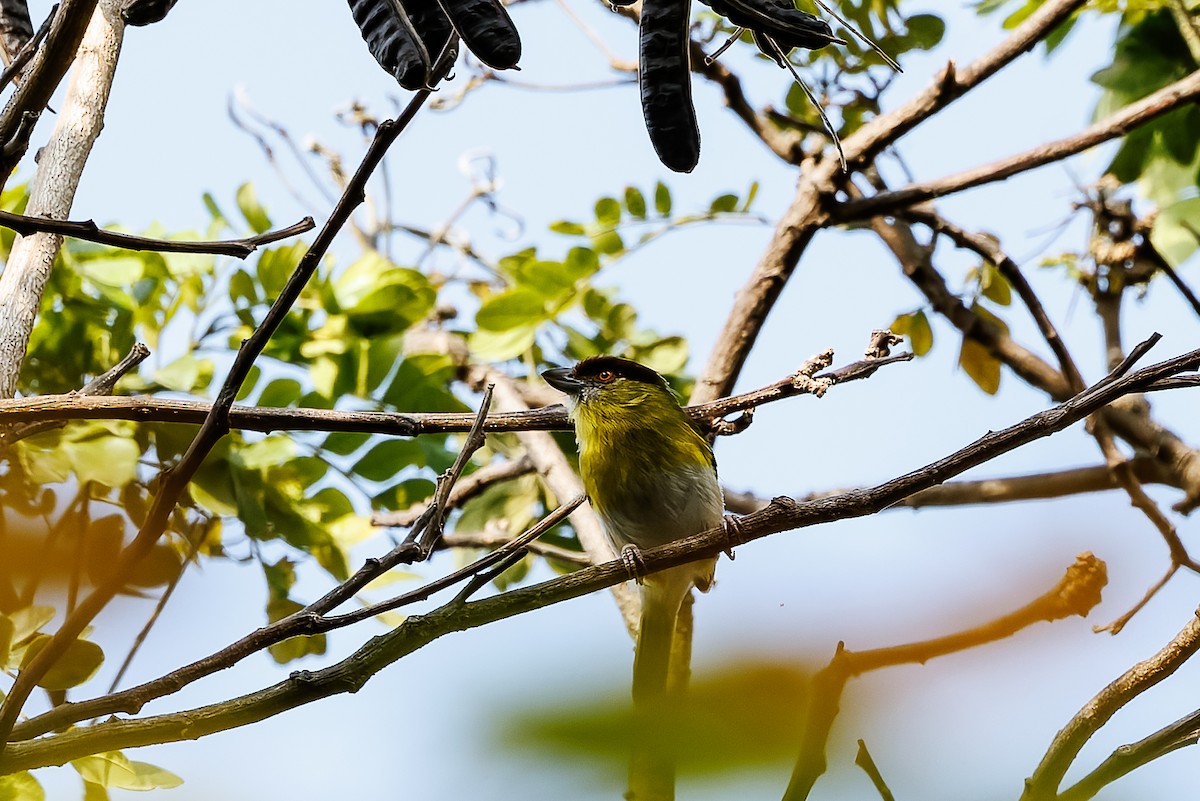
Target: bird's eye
606	376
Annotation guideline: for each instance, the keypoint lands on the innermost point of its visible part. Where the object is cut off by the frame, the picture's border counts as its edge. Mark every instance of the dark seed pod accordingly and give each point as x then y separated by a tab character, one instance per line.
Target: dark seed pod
16	28
487	31
431	24
779	19
666	83
145	12
392	40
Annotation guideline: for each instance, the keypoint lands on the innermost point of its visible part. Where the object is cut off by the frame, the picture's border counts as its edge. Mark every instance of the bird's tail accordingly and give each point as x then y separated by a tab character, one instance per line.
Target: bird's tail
655	695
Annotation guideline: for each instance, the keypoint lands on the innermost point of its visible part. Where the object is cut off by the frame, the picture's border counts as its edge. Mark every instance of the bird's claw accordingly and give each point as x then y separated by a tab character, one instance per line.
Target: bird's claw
733	534
635	566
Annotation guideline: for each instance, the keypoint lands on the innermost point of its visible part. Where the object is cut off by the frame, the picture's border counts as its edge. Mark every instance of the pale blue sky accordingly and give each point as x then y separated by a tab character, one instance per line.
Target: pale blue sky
426	729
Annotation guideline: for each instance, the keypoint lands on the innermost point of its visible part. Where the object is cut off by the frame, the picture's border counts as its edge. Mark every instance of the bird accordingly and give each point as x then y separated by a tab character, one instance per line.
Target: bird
651	478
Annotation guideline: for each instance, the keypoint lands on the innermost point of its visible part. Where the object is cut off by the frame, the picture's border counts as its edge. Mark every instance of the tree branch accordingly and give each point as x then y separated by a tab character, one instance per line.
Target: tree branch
1076	593
1184	91
783	514
53	188
88	230
1127	758
1006	489
809	210
1043	784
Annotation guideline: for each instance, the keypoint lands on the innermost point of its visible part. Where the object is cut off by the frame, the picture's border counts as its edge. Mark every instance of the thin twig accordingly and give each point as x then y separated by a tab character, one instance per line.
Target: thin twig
101	385
1127	758
89	231
864	761
1173	96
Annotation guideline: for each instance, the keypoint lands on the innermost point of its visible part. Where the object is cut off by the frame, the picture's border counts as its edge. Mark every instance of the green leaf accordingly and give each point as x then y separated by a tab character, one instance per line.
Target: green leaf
94	792
388	458
114	769
608	212
119	272
581	262
103	457
510	507
21	787
295	647
268	452
635	202
662	199
247	387
241	288
1176	231
666	356
609	243
994	285
252	210
280	393
723	204
43	460
275	265
214	211
405	494
29	620
925	31
159	567
751	194
185	374
916	327
980	365
498	346
281	577
514	309
567	227
7	630
344	443
78	664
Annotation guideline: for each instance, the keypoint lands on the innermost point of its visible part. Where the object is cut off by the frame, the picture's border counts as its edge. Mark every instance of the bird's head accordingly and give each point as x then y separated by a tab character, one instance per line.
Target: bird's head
609	384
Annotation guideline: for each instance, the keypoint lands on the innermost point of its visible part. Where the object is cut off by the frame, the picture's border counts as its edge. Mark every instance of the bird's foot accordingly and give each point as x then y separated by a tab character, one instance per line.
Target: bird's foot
635	566
733	534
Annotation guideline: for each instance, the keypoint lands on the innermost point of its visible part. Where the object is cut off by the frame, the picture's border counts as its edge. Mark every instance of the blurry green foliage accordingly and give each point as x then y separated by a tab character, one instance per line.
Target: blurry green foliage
743	716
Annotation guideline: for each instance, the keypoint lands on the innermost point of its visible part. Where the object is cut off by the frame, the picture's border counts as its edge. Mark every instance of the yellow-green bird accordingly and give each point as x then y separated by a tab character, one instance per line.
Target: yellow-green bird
651	478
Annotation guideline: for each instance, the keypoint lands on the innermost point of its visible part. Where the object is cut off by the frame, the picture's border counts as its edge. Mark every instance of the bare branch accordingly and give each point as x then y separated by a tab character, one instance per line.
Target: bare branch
809	210
1169	98
989	249
1006	489
1076	593
89	231
1127	758
1043	784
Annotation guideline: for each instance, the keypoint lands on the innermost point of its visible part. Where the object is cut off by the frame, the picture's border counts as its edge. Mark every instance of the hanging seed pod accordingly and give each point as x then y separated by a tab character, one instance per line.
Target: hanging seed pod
487	31
787	25
431	24
666	83
392	40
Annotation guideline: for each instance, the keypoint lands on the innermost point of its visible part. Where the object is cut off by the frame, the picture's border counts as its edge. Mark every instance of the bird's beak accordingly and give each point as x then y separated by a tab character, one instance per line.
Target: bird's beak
563	379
